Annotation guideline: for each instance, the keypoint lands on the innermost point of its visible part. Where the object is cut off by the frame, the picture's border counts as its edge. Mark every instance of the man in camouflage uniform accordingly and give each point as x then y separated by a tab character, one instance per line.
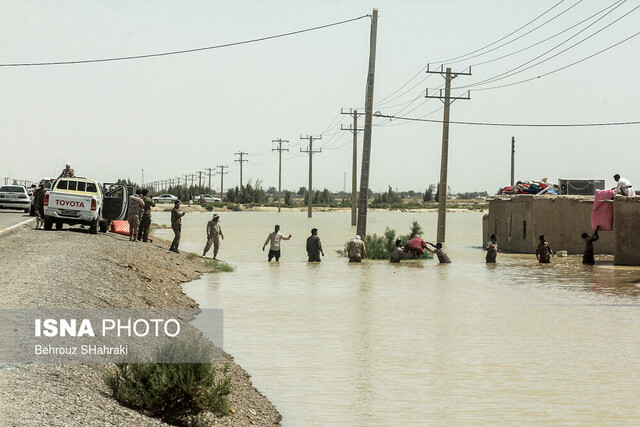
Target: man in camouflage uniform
38	201
176	225
355	249
135	207
439	251
67	172
145	221
214	233
314	246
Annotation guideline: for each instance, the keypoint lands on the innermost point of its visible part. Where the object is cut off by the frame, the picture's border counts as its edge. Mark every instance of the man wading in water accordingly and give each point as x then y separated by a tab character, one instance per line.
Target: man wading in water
587	258
274	248
544	251
492	249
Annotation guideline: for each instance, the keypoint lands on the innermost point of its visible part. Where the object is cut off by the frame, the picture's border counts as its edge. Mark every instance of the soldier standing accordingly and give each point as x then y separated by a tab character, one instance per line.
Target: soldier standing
145	222
38	200
355	249
176	225
544	251
214	232
136	204
67	172
314	246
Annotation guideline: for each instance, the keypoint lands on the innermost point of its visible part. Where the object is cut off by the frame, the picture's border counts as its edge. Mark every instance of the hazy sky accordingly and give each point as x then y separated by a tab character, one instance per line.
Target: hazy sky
174	115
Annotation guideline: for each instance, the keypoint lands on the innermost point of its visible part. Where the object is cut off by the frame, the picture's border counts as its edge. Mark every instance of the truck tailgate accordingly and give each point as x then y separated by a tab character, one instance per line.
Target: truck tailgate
68	204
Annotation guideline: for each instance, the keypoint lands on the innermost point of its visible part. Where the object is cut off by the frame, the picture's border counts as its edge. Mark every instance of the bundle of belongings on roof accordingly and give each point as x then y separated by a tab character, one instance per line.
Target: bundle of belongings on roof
529	187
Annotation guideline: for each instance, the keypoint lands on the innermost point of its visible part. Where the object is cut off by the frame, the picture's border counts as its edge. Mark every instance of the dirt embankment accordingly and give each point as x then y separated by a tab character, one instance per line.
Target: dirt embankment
73	269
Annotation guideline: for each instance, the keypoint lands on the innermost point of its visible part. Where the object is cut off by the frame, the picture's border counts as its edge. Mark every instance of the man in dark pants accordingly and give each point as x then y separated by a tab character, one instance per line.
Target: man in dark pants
544	251
587	258
176	225
314	246
274	239
145	223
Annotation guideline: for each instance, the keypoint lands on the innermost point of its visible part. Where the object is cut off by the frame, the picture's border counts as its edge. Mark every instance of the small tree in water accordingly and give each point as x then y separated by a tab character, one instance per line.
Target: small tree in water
381	247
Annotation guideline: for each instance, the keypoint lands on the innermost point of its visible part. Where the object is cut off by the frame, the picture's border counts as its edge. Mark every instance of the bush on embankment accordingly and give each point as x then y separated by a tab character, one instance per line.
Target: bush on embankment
381	247
177	393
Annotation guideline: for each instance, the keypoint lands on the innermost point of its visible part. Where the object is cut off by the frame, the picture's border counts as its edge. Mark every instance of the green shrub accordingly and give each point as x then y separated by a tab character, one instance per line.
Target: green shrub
219	266
177	393
381	247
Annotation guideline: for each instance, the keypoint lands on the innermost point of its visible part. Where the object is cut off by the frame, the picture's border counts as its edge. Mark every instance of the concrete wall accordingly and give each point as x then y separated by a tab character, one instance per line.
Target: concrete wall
519	220
626	226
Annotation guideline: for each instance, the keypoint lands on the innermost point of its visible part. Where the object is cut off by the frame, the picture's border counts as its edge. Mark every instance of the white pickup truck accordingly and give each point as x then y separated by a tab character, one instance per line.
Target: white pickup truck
81	201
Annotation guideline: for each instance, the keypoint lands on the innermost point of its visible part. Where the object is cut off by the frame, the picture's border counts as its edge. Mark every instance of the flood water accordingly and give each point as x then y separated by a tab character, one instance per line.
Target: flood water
421	343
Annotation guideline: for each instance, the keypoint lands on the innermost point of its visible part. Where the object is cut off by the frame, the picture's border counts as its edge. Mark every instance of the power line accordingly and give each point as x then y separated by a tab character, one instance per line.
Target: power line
179	52
512	124
503	38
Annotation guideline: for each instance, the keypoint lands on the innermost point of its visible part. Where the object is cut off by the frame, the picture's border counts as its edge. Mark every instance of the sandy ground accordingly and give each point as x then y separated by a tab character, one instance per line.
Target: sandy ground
73	269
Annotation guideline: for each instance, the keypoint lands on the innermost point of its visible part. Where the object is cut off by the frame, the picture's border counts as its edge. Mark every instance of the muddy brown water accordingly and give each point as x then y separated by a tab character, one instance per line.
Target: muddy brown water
420	343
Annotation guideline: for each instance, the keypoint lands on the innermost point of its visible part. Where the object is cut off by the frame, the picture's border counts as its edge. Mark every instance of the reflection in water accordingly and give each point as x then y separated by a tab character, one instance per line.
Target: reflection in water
338	343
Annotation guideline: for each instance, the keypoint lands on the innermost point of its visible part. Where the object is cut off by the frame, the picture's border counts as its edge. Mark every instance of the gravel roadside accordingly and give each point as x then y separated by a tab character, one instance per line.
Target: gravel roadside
73	269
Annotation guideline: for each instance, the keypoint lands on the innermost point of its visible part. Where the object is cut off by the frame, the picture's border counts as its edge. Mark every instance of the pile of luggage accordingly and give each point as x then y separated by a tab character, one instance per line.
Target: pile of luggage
529	187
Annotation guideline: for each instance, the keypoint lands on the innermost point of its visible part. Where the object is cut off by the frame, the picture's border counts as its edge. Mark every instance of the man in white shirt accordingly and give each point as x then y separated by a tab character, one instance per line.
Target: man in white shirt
274	248
624	186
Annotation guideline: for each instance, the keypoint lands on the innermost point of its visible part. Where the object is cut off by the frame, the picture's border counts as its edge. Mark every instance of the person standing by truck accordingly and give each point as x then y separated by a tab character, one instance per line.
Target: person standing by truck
136	204
145	222
38	200
176	225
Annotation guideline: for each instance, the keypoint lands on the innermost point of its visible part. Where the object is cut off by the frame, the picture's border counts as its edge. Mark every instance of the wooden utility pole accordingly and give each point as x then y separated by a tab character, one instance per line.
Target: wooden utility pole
513	155
240	160
209	170
279	150
222	174
354	168
366	139
311	152
447	100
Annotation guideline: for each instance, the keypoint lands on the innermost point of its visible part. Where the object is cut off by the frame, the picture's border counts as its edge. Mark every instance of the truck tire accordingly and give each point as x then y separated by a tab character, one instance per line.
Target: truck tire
93	227
59	225
48	224
104	226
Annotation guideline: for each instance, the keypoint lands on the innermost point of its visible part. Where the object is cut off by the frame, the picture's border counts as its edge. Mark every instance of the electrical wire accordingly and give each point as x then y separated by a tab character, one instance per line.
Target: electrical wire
548	38
179	52
501	39
564	125
513	71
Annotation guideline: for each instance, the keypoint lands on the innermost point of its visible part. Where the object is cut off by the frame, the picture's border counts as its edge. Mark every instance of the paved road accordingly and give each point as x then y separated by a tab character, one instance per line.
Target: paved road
12	217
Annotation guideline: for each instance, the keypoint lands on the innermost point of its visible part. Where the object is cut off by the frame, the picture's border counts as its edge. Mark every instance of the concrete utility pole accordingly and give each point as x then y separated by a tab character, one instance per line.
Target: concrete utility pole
311	152
222	174
354	169
366	139
192	175
447	100
241	154
142	183
200	178
279	150
186	180
513	156
209	170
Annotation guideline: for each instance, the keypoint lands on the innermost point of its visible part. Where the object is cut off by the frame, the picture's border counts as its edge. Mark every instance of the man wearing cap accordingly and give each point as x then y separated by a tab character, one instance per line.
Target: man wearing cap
214	233
314	246
355	249
176	225
67	172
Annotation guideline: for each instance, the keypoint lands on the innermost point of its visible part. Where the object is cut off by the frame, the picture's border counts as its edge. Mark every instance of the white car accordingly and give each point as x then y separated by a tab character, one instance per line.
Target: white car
14	197
208	198
165	198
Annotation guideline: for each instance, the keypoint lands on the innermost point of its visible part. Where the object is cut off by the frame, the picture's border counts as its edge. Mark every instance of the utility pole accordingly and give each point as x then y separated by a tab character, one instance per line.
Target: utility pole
513	156
186	180
222	173
209	170
447	100
354	168
142	183
241	154
199	179
279	150
192	175
366	139
311	152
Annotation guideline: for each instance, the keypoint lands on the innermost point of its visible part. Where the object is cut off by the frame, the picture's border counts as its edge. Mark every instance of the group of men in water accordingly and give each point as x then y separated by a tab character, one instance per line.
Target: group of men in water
544	251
